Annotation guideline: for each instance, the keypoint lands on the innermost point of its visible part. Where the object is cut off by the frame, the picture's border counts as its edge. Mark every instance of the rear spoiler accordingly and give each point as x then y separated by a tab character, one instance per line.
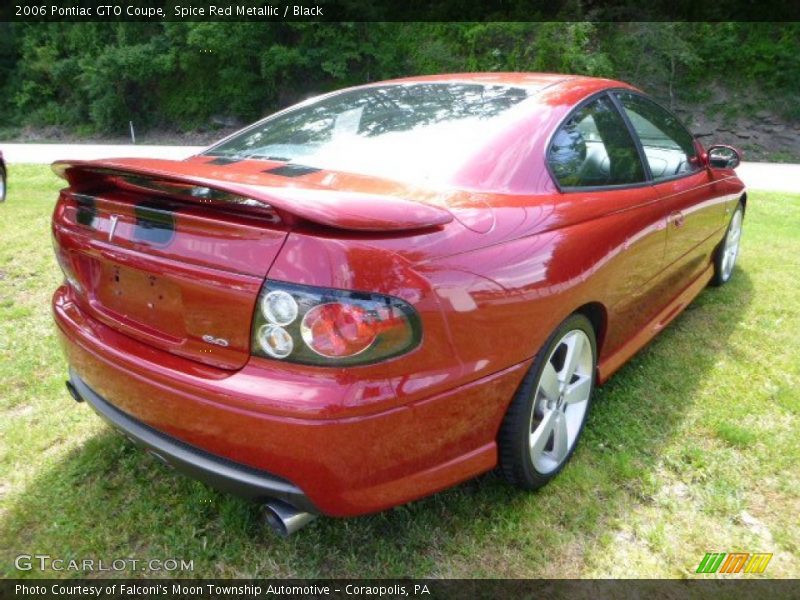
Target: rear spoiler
332	208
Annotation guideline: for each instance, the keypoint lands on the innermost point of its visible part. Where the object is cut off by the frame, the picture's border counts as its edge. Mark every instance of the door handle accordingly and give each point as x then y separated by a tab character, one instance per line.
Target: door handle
677	218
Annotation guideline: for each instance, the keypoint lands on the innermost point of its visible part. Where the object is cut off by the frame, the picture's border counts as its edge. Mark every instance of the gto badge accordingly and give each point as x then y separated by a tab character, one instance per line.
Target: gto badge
215	340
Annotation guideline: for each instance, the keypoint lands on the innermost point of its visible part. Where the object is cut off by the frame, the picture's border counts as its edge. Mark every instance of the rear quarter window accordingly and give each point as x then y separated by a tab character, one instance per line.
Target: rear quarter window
594	148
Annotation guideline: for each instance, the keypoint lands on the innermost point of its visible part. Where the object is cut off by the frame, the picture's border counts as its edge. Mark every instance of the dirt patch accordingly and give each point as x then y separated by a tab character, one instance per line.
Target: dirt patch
743	119
22	410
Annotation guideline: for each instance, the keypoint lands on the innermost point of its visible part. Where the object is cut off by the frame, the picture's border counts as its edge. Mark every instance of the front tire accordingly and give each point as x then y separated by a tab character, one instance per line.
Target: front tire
728	250
546	417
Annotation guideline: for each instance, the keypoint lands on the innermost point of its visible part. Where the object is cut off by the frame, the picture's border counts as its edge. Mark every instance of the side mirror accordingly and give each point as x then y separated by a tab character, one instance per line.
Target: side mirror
723	157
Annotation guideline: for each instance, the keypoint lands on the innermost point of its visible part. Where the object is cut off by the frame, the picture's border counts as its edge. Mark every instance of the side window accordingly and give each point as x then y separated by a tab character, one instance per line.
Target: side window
668	146
594	148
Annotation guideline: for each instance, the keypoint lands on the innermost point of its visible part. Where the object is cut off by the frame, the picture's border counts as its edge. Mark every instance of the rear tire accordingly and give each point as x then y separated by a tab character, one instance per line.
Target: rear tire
546	417
728	250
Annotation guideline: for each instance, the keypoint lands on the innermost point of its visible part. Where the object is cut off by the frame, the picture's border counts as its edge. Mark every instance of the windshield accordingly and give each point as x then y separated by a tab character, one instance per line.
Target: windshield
409	131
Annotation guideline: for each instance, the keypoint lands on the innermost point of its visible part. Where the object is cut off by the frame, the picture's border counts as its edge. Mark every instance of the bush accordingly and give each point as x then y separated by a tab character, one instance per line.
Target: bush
184	75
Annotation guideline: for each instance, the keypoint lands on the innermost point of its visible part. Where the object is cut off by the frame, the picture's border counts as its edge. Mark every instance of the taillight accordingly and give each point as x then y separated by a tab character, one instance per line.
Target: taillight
63	263
321	326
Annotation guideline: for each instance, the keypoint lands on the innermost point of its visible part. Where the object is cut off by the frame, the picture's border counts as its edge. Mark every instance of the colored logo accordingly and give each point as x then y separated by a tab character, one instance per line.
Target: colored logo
734	562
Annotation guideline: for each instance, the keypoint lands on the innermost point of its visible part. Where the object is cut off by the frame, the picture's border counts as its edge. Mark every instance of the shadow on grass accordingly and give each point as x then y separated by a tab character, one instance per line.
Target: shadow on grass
108	499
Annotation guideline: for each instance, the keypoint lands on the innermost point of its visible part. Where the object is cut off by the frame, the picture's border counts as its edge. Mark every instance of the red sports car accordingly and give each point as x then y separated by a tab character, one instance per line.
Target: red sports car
381	292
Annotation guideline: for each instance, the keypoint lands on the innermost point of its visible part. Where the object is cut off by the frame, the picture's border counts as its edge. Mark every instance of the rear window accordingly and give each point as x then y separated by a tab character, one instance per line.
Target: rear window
402	130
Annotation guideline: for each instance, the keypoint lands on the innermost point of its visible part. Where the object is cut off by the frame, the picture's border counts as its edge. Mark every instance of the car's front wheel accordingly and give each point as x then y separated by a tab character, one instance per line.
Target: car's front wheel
546	417
728	250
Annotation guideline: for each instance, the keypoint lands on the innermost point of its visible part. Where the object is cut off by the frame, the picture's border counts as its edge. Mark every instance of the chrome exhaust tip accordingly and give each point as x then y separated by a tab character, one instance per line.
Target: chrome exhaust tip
284	519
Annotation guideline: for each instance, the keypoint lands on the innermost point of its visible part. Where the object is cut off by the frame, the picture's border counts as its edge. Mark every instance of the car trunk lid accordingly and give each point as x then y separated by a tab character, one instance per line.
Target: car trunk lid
164	253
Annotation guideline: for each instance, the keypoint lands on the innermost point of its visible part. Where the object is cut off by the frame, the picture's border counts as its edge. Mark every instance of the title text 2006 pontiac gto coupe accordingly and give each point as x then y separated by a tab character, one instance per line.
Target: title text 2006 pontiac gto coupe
384	291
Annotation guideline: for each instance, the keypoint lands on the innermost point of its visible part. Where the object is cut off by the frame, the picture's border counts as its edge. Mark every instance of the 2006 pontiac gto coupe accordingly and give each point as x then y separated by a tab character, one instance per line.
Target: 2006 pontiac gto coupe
381	292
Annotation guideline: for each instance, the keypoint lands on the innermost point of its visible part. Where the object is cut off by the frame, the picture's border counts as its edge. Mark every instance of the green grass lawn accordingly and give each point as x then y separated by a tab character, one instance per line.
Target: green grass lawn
692	447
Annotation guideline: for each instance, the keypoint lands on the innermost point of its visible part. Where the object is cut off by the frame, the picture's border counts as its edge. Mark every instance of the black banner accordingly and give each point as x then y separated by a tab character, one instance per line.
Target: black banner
232	589
392	10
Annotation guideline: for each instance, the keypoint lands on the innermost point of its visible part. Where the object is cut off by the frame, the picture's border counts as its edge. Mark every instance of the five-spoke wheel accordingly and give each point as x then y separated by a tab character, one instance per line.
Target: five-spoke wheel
546	417
561	400
728	250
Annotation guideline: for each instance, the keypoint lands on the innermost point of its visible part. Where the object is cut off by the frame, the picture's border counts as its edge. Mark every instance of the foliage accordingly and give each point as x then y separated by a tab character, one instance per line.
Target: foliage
193	75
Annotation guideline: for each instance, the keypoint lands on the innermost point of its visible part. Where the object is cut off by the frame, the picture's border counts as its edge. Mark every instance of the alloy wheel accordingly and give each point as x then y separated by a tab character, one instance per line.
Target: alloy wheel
560	402
731	248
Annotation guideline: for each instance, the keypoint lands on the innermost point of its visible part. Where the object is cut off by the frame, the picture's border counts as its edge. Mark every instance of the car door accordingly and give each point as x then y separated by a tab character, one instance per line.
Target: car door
598	167
695	211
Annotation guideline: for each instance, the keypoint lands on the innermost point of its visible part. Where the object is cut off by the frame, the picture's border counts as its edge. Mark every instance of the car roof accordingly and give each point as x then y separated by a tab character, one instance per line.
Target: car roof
529	80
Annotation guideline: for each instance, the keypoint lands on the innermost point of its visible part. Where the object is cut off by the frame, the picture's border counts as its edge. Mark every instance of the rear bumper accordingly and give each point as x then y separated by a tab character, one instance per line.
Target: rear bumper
257	422
218	472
